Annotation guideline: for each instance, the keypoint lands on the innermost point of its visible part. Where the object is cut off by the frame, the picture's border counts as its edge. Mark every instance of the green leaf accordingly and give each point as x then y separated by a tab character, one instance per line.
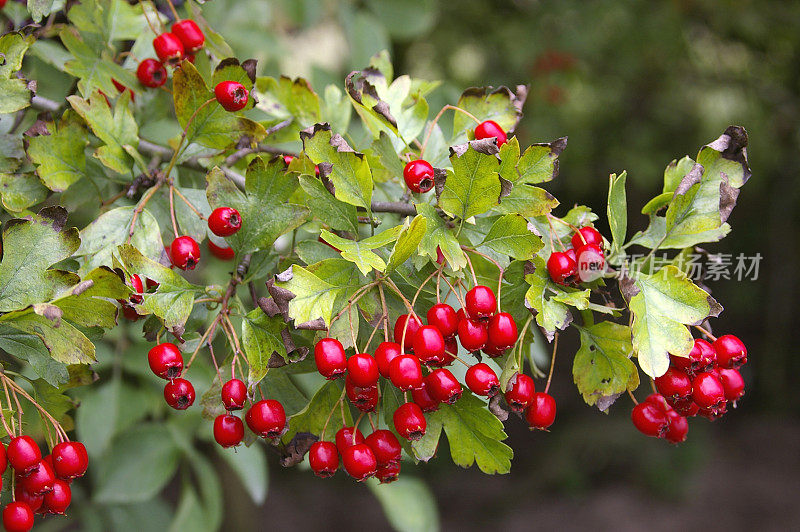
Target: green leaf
261	337
20	191
65	343
336	109
408	242
264	206
510	236
59	156
663	304
109	20
538	164
408	504
41	8
617	210
528	201
349	170
360	252
437	234
473	186
52	399
284	98
602	368
29	347
16	92
551	314
31	245
487	103
325	207
312	418
94	72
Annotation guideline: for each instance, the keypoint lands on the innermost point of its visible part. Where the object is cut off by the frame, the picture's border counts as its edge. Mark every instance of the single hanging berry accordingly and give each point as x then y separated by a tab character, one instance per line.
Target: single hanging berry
488	129
429	345
591	263
359	461
330	358
519	393
649	419
222	253
443	386
185	252
70	460
23	454
190	35
228	430
231	95
678	427
40	480
384	354
480	302
409	421
179	394
443	317
418	176
388	472
165	360
234	394
224	221
587	235
323	458
482	380
348	436
151	73
267	419
17	517
363	398
732	383
362	369
405	372
731	352
707	391
385	446
473	334
561	267
675	384
169	48
424	399
57	500
410	330
502	330
542	411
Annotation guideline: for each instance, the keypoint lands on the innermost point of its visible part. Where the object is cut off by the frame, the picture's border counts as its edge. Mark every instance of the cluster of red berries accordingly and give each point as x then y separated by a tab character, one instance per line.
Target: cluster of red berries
376	455
184	252
185	39
700	384
584	261
418	174
266	418
42	484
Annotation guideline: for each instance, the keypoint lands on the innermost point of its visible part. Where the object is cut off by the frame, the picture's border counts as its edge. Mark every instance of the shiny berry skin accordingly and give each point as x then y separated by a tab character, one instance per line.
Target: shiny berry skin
429	345
561	267
184	252
151	73
542	411
493	351
23	454
409	421
33	501
732	383
675	384
70	460
591	263
649	419
413	326
443	386
520	392
385	446
384	354
707	391
39	481
473	334
359	461
490	128
169	48
701	358
587	235
224	221
165	360
480	302
221	252
364	398
388	472
228	430
424	399
135	282
190	35
450	350
502	330
17	517
347	437
678	427
418	176
323	458
179	394
231	95
731	352
362	369
330	358
267	419
57	500
234	394
443	317
658	400
405	372
482	380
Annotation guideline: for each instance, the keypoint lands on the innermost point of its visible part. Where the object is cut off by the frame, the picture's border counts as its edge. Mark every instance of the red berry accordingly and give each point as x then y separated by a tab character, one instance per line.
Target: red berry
413	325
364	398
330	358
490	128
17	517
591	263
701	358
502	330
561	267
450	350
165	360
33	501
439	255
482	380
492	350
347	437
707	391
221	252
267	419
179	394
384	446
40	480
135	282
731	352
185	252
472	334
190	35
443	317
3	459
409	421
224	221
122	88
234	394
587	235
678	427
519	392
658	400
675	384
388	472
384	354
228	430
732	383
70	460
169	48
685	407
418	176
151	73
323	458
649	419
480	302
362	370
359	461
405	372
429	345
424	399
542	411
287	159
714	413
57	500
443	386
231	95
23	454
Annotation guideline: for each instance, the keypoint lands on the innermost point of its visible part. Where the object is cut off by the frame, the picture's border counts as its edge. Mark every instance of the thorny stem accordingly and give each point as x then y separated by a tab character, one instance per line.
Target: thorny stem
436	119
552	364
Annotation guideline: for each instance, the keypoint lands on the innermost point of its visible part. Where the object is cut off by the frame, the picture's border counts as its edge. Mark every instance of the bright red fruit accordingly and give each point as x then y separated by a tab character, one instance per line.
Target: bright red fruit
359	461
168	47
388	472
184	252
429	345
678	427
267	419
707	391
231	95
224	221
482	380
587	235
234	394
591	263
228	430
409	421
424	399
347	437
520	392
405	372
3	459
480	302
490	128
384	354
222	253
675	384
418	176
384	446
561	267
179	394
731	352
151	73
57	500
502	330
472	334
701	358
400	325
732	383
362	370
450	350
443	317
190	35
542	411
40	480
33	501
364	398
685	407
17	517
323	458
165	360
649	419
443	386
70	460
23	454
330	358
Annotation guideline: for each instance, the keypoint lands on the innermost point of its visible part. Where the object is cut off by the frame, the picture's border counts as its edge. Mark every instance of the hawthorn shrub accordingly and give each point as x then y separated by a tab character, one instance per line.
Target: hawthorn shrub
383	272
